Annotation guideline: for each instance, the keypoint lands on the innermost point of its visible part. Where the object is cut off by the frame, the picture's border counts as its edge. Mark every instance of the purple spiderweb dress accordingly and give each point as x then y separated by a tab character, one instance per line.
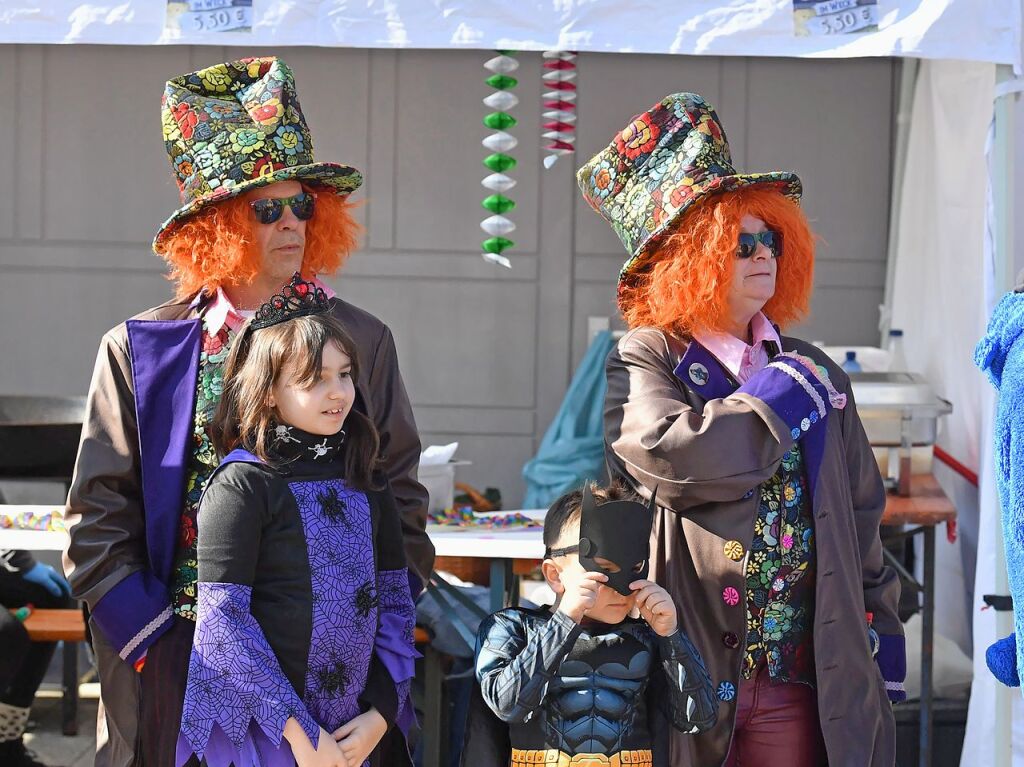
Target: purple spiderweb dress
350	614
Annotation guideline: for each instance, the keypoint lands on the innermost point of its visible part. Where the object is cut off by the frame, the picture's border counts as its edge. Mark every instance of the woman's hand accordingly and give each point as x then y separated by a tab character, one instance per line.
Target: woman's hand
326	754
656	607
360	736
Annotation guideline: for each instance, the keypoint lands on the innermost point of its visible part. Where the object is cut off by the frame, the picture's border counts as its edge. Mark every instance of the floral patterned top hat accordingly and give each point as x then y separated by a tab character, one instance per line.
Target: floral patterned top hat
236	126
666	160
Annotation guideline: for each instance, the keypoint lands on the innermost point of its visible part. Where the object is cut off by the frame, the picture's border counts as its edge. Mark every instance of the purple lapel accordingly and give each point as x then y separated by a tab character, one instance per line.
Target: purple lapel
165	366
701	371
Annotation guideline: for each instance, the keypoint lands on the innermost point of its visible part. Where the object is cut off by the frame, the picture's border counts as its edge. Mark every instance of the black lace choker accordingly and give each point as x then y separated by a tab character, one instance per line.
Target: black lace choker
290	443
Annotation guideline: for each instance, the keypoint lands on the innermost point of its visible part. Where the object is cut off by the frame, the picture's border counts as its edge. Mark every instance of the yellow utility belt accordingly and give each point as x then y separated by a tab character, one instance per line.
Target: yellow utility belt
552	757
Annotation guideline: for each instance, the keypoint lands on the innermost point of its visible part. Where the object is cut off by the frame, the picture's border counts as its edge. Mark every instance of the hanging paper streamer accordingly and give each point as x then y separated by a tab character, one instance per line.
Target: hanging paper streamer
559	104
499	143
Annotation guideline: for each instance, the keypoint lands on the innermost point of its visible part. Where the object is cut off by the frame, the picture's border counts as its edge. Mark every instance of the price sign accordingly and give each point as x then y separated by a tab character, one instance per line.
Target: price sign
217	21
202	17
834	17
211	5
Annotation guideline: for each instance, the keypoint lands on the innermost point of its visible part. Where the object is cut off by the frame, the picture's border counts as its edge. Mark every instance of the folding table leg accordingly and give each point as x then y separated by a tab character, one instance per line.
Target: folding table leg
433	715
501	585
927	647
69	700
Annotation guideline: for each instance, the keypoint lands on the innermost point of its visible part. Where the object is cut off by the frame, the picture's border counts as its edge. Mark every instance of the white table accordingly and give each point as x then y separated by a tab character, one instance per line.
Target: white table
31	540
501	546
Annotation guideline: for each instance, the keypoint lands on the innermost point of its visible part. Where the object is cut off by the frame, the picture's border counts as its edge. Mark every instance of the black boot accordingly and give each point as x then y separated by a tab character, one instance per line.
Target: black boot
14	754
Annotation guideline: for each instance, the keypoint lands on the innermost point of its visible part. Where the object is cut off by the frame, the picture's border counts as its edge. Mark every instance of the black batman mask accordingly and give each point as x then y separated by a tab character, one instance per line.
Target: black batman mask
620	532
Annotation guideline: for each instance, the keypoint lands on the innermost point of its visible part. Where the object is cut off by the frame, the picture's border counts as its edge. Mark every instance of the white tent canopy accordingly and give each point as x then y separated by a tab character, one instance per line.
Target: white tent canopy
934	29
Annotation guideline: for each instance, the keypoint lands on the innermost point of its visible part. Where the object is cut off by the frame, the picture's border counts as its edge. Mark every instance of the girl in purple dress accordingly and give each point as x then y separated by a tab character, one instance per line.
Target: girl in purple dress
303	650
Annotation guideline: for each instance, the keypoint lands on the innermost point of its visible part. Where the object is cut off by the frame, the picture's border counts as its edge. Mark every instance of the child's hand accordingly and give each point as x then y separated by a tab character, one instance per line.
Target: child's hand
656	607
360	736
579	592
326	753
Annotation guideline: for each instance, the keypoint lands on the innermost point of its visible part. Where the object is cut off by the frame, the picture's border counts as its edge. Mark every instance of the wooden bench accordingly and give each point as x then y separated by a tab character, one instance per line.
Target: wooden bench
66	626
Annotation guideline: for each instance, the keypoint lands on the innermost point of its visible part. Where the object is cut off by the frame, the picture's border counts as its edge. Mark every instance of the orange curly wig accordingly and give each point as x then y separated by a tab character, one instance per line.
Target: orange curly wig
214	247
684	284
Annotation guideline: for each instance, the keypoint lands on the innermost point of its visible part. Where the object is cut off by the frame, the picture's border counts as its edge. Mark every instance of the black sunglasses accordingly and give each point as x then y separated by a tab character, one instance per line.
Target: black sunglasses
270	209
768	238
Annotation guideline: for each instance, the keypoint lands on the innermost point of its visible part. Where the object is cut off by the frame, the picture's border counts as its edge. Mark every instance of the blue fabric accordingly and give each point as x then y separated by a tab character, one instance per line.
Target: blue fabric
1000	354
1001	659
573	446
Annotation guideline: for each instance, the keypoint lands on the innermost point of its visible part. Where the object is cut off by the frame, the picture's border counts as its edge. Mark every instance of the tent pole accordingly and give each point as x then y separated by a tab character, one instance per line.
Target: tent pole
1003	234
904	108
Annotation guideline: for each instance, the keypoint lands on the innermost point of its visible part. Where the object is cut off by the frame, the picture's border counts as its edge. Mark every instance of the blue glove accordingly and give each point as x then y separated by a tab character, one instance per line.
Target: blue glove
49	579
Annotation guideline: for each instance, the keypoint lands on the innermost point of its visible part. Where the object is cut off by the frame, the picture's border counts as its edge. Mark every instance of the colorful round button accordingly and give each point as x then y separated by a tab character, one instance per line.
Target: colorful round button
730	640
733	550
698	374
730	596
726	691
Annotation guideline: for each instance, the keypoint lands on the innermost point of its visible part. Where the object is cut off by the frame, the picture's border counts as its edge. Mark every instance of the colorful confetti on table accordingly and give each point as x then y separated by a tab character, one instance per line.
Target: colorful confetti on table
50	521
465	517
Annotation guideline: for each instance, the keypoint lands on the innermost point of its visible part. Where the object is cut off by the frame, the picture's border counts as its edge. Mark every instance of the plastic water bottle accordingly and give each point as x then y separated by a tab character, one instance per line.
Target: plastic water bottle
850	365
897	360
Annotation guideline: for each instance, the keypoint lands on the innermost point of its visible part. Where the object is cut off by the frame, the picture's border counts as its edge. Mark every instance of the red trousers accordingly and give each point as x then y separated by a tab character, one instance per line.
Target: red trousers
776	724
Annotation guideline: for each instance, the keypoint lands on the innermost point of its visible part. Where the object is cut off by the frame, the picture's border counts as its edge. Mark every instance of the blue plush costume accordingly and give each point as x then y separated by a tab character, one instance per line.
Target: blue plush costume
1000	354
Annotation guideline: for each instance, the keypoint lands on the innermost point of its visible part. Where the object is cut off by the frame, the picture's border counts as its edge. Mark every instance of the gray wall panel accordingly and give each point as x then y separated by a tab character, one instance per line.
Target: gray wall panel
106	176
486	352
497	461
438	130
8	135
460	343
28	154
53	320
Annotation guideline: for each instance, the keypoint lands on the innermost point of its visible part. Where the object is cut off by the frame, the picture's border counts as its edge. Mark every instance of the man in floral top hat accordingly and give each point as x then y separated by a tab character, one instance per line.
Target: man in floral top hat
255	209
767	533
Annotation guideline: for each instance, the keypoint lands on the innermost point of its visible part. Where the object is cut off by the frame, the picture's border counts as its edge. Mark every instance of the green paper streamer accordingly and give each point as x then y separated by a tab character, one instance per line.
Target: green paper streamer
499	120
500	163
498	203
496	244
502	82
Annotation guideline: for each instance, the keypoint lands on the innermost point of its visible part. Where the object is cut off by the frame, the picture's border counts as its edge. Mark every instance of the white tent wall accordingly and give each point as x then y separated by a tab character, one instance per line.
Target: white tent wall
995	727
937	278
944	285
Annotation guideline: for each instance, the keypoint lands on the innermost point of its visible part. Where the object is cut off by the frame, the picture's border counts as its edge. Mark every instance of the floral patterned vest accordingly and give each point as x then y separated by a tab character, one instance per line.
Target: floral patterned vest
202	462
780	578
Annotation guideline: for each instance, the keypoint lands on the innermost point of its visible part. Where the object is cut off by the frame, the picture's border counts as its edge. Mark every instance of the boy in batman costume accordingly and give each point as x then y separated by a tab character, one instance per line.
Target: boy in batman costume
600	676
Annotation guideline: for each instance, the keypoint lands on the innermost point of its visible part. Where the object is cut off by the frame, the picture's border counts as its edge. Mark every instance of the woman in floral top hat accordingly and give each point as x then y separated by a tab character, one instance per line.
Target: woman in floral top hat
768	529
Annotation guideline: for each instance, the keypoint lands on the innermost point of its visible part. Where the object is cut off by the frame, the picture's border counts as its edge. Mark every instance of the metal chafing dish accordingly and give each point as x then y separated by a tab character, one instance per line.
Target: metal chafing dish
900	412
